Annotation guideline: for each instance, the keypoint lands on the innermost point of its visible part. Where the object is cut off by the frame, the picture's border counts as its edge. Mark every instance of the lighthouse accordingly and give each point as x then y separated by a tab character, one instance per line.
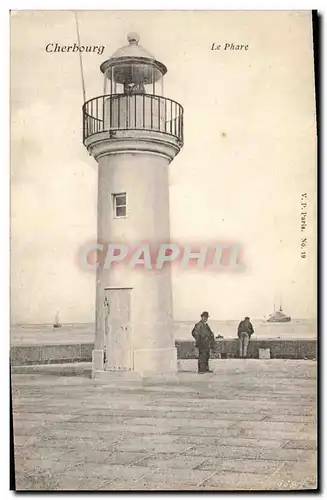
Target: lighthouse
133	131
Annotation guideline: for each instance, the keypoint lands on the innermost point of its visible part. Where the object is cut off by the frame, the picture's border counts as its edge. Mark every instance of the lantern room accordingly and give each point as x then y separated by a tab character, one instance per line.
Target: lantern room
133	70
133	97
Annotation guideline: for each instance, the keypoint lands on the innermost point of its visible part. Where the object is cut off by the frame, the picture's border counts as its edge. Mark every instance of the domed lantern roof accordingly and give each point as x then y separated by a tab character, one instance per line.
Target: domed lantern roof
133	49
133	59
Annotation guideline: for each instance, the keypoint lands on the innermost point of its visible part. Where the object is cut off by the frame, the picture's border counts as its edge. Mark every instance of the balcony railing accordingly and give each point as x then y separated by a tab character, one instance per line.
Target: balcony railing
132	112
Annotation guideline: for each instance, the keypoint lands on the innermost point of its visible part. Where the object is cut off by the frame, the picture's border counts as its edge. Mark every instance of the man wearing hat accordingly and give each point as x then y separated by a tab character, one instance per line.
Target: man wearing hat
204	341
244	332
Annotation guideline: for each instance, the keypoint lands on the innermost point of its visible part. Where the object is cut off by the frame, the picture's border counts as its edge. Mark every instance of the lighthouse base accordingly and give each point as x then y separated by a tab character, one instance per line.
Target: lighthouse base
97	360
146	363
149	362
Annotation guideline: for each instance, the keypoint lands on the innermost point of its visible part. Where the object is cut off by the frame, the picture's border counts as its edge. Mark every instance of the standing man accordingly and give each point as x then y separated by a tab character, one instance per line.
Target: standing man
244	332
204	341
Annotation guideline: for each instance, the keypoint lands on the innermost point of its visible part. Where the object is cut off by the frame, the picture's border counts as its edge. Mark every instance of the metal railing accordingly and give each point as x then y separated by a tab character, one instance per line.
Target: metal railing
132	112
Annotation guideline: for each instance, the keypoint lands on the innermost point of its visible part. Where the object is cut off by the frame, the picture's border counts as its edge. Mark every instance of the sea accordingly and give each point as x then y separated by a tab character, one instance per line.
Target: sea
72	333
297	328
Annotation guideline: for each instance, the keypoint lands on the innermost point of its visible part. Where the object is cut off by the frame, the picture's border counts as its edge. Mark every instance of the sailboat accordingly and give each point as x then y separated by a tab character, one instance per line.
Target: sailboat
56	323
278	316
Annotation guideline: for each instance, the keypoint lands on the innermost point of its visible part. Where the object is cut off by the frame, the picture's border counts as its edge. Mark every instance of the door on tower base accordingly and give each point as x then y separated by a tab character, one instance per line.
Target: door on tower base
117	329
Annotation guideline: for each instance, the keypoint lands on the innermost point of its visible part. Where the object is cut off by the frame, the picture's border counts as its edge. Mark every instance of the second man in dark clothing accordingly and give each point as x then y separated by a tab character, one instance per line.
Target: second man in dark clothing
204	341
244	332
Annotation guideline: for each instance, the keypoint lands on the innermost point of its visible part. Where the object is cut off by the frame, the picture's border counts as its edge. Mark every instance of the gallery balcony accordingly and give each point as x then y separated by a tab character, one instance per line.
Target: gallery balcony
132	112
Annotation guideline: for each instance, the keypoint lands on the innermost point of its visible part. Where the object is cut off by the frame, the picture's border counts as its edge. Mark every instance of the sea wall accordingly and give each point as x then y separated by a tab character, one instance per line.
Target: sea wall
279	349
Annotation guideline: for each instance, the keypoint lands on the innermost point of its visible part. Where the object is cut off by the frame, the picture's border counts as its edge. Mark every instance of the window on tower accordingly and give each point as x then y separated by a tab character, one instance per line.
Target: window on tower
120	207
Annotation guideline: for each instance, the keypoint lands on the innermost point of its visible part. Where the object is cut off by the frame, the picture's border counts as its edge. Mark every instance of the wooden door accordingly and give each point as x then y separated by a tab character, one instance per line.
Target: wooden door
118	331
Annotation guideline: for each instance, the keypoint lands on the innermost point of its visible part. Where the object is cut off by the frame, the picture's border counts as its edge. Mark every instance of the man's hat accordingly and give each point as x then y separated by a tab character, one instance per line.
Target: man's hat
205	313
246	317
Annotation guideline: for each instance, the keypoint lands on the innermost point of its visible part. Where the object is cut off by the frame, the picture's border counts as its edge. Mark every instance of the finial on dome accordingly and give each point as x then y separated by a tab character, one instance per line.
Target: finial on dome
133	38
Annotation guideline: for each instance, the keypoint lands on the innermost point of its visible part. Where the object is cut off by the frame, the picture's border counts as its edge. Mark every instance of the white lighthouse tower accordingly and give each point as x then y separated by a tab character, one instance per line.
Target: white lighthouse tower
133	132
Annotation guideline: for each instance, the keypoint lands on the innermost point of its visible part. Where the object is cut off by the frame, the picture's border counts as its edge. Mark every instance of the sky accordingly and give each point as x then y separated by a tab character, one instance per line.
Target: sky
249	154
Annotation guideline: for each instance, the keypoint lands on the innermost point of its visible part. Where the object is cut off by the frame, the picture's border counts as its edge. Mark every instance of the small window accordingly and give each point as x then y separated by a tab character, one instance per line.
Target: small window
119	201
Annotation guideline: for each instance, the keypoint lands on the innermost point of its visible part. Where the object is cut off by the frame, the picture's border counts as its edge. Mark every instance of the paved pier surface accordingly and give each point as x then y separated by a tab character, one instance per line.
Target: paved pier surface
251	425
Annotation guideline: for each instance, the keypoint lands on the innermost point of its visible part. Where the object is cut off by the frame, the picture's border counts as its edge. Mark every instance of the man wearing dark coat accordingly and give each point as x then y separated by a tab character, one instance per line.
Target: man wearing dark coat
204	341
244	332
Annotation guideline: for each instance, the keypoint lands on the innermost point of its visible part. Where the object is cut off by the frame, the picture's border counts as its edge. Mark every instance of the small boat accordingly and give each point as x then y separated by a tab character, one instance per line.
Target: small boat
56	323
278	316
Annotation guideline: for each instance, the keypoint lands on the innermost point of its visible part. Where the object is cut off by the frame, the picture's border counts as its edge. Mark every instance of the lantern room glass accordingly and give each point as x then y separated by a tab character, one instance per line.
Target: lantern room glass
133	78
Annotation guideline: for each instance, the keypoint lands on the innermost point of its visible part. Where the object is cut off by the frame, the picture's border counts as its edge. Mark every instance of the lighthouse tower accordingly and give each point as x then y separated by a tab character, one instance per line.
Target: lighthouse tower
133	132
